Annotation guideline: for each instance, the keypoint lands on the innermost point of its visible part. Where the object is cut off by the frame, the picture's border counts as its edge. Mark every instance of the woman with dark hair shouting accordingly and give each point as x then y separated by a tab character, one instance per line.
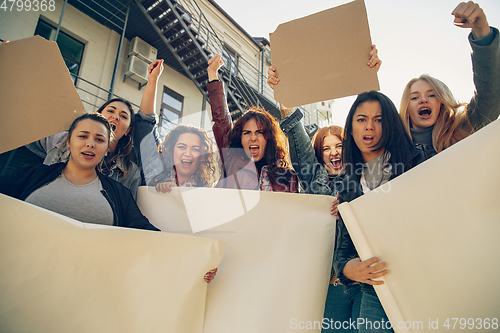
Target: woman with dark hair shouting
253	150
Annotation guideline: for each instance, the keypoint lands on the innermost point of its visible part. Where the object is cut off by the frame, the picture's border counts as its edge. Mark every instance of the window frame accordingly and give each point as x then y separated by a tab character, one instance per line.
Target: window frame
65	57
175	95
230	53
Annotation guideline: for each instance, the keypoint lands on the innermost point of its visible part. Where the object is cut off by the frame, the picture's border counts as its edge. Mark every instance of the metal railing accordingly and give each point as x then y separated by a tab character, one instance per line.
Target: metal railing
245	71
92	95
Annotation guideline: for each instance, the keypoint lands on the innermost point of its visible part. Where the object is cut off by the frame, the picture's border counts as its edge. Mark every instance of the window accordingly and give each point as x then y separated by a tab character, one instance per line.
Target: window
230	58
71	49
171	111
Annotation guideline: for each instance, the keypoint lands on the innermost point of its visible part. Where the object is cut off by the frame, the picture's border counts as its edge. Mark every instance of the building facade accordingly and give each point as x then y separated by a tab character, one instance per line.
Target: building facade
98	40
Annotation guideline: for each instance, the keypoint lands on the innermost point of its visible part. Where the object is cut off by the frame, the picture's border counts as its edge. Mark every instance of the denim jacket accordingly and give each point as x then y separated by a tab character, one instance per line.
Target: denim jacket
146	142
313	176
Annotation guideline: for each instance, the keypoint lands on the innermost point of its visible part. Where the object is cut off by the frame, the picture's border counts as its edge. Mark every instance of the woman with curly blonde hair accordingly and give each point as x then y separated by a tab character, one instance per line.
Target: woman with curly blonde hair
431	114
190	161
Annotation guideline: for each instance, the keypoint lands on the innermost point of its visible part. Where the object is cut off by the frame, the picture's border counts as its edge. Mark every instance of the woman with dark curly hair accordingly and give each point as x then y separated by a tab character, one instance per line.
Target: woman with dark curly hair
253	151
190	161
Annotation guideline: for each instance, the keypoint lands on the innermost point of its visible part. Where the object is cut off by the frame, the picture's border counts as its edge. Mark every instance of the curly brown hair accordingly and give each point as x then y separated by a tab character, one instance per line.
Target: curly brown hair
276	155
208	172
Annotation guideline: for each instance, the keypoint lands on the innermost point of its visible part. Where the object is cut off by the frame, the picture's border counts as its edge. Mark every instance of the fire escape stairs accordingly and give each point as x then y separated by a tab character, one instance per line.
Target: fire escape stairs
187	33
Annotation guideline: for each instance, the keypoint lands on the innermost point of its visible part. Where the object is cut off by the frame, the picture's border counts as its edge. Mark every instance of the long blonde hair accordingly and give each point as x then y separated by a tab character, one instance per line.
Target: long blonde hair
452	124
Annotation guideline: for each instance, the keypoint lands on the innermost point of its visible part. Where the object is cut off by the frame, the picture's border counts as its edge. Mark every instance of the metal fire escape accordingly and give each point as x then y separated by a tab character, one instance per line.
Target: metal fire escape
192	40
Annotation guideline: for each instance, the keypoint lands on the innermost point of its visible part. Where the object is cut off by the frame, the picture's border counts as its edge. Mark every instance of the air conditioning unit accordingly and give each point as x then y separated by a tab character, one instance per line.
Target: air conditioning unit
137	70
143	50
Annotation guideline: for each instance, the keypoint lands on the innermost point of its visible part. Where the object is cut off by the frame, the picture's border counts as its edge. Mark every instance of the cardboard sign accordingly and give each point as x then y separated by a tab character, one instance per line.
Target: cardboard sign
37	95
323	56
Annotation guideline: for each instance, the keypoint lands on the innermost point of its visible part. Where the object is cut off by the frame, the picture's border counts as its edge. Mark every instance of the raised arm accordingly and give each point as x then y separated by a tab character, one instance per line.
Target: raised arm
302	154
484	107
223	123
470	15
148	101
146	138
146	118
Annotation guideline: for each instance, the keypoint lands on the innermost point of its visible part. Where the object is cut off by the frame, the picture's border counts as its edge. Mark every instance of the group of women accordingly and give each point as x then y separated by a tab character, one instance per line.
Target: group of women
92	172
378	144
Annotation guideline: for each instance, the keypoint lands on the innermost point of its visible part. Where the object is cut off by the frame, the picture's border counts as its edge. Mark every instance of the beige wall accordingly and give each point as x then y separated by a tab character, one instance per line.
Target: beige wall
101	45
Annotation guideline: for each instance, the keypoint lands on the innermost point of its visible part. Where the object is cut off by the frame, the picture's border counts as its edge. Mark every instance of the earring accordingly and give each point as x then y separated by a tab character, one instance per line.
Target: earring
129	141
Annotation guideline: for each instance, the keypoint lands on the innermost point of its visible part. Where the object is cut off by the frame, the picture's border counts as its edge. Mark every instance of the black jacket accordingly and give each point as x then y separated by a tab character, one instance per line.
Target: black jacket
20	184
350	190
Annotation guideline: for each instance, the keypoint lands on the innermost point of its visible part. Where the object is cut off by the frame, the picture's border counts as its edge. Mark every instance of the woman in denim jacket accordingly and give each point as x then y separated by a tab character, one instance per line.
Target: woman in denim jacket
319	169
376	149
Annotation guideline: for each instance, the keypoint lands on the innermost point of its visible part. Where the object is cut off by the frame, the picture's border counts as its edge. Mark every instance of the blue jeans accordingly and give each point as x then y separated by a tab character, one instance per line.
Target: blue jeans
338	309
342	308
354	294
372	315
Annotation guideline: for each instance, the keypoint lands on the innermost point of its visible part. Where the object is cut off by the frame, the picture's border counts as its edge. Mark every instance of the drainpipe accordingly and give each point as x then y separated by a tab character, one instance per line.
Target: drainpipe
262	70
113	78
203	110
60	21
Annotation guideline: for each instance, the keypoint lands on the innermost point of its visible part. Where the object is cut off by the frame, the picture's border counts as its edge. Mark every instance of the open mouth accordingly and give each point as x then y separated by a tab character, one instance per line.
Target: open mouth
337	164
424	112
368	139
88	155
254	150
186	163
113	127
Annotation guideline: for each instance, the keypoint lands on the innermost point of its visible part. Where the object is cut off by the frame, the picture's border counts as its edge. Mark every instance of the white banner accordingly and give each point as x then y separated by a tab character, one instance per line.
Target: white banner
437	228
276	268
60	275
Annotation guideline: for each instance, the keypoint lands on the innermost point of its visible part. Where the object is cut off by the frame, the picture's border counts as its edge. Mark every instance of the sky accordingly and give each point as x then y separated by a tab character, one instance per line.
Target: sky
413	37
